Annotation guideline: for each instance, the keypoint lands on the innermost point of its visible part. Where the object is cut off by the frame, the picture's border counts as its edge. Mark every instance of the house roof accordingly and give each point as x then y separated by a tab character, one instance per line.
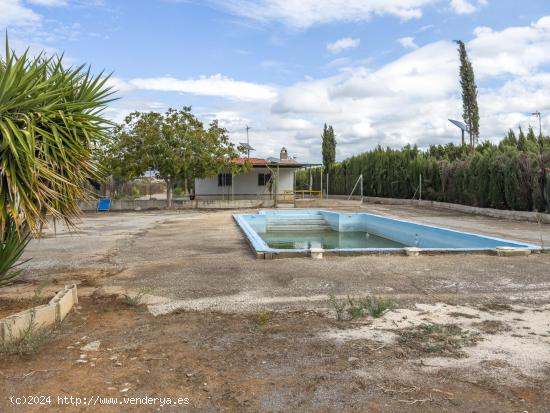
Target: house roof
284	163
253	161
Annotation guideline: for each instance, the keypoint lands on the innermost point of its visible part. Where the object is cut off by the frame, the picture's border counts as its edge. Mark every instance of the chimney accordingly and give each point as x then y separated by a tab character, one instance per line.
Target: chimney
284	154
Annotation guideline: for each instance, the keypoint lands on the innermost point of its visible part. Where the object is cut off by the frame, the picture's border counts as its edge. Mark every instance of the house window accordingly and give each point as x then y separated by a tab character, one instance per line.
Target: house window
225	179
263	179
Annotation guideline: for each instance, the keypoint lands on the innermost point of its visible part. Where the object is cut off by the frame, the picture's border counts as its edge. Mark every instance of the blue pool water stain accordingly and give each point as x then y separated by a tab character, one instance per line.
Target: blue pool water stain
326	239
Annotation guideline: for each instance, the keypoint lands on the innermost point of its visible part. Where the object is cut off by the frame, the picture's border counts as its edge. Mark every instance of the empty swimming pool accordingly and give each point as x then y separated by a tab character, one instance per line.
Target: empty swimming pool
296	232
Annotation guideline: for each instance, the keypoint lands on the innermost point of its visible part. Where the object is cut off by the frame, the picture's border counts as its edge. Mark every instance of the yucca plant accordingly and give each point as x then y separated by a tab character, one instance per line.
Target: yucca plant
50	121
11	248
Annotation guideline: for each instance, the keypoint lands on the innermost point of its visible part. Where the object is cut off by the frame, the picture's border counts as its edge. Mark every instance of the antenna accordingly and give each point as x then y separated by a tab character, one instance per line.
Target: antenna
247	141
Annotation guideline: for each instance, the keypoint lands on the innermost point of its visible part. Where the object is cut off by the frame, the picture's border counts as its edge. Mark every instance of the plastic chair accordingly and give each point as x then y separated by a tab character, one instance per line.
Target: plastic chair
104	205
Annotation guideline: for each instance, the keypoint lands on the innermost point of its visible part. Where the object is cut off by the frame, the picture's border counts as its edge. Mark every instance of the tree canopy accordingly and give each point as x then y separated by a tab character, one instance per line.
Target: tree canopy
175	146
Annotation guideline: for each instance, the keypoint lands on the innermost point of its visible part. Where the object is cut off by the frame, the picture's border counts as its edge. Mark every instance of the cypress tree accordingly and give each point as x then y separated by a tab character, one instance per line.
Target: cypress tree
470	110
328	147
522	141
509	140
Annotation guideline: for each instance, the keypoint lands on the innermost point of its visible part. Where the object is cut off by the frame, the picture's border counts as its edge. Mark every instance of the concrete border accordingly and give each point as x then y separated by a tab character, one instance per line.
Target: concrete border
12	327
154	204
326	203
378	223
487	212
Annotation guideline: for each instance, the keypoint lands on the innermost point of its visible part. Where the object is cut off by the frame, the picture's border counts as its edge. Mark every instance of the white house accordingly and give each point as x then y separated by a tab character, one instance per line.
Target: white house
266	178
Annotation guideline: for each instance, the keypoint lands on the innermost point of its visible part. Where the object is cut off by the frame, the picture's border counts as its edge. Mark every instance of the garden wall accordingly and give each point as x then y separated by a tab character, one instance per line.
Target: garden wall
16	325
152	204
488	212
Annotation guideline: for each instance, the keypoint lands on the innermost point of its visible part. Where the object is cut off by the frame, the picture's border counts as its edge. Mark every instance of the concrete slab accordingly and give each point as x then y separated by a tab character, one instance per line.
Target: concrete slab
203	255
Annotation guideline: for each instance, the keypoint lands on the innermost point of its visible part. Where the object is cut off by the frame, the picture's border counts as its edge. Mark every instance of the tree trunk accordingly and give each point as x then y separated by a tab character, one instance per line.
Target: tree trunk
186	186
168	193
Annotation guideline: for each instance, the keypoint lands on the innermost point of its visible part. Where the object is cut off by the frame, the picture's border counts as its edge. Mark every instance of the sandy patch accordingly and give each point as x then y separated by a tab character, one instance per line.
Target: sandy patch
516	337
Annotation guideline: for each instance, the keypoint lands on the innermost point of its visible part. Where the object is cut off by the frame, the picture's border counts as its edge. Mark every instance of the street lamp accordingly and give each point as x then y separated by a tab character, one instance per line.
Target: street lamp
462	127
537	114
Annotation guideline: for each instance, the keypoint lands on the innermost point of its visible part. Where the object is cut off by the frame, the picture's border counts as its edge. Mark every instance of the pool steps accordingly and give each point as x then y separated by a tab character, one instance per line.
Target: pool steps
314	222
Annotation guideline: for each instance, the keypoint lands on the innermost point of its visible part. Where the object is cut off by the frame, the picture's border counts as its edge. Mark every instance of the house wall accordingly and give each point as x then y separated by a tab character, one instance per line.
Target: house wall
244	185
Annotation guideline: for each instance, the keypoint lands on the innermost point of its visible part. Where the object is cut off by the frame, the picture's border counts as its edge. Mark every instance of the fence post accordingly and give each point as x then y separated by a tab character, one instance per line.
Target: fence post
321	176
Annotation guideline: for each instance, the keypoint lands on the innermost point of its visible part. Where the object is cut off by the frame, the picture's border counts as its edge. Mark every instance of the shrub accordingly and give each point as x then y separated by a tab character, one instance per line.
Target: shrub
353	308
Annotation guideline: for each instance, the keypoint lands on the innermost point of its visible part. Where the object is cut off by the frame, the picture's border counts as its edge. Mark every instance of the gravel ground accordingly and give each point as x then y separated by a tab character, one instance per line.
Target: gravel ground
298	357
204	259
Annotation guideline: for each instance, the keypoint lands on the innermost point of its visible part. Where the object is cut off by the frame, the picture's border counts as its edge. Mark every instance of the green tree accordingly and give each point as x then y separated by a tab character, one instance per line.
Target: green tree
174	145
50	121
328	147
470	110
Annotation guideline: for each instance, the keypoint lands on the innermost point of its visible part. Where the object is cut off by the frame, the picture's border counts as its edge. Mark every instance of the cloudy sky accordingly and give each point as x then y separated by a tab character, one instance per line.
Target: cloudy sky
380	71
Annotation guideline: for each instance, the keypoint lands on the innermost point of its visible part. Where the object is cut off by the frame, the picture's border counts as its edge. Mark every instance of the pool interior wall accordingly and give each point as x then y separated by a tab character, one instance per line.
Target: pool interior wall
410	234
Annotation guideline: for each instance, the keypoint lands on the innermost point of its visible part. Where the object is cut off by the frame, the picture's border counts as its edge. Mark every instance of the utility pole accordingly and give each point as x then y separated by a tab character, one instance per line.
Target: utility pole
247	142
537	114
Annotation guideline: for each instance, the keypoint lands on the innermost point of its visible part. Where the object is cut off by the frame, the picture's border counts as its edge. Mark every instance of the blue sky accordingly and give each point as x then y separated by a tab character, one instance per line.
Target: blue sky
381	71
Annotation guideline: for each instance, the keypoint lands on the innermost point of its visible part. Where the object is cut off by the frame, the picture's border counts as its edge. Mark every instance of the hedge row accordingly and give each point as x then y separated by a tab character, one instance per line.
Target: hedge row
515	174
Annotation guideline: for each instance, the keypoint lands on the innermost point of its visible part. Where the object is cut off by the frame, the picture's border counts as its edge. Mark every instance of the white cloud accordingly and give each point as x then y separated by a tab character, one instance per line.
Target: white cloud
408	43
118	110
339	62
17	13
407	100
343	44
49	3
14	13
410	99
466	6
306	97
302	14
28	30
512	51
286	124
215	85
305	13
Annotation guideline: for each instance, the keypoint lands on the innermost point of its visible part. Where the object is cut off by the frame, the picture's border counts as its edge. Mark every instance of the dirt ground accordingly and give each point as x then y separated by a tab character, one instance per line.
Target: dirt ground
466	333
239	363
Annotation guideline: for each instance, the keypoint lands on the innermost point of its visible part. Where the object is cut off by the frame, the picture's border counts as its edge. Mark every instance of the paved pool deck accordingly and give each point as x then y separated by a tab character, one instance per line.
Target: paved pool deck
202	258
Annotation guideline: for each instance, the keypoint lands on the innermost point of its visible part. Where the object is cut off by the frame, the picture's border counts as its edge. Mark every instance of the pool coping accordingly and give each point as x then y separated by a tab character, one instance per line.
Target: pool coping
262	250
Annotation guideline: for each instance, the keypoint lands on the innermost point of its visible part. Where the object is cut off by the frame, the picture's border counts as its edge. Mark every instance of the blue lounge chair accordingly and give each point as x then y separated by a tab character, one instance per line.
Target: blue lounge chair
104	205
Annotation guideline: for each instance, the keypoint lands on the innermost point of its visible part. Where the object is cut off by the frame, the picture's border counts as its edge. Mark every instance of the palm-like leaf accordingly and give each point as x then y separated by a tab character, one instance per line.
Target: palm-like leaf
50	118
11	248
